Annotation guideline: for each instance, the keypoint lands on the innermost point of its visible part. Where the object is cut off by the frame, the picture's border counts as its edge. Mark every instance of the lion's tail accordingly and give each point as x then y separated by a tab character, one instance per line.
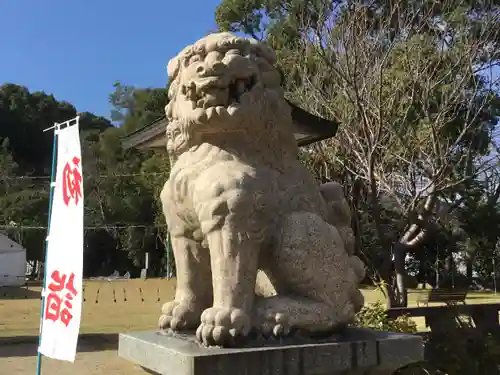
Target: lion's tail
339	214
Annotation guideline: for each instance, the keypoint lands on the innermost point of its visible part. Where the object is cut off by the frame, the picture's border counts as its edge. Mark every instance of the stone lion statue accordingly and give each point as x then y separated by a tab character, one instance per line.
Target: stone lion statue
244	214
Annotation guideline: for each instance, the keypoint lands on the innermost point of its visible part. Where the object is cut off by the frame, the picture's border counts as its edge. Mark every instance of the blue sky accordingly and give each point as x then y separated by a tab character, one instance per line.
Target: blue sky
76	50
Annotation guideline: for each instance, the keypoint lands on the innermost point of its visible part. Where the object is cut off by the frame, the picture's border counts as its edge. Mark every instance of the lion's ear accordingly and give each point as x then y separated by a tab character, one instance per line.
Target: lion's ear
169	110
173	68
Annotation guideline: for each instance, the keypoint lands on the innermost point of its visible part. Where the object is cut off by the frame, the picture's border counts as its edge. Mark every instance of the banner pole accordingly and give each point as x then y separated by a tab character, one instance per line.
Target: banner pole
51	194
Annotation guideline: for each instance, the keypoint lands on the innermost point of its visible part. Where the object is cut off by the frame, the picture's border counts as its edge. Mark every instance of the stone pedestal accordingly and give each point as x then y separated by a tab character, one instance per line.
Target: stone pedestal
356	352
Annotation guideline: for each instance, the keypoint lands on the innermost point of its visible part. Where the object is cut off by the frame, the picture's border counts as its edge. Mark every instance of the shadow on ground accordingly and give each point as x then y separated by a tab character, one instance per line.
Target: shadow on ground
484	296
18	292
27	346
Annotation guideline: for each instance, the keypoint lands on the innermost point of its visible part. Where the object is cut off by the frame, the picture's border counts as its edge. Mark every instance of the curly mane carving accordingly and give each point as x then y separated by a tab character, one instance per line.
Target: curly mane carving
239	204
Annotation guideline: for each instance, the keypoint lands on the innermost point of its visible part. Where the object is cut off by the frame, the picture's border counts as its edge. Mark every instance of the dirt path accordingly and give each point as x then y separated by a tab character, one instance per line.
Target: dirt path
93	358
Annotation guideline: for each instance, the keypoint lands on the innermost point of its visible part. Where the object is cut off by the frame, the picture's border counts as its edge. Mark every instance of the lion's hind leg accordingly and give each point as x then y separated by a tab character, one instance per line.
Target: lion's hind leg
313	273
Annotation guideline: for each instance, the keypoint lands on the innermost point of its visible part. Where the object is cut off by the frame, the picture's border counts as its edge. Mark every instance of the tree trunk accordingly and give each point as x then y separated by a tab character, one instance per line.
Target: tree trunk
449	271
422	270
470	263
386	279
400	271
390	292
395	296
450	264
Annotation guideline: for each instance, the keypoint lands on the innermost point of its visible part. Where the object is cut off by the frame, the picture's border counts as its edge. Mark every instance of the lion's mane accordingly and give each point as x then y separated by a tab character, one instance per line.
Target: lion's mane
258	114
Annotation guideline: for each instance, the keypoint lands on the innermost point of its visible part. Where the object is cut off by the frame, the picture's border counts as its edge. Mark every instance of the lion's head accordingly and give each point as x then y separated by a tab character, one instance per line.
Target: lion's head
227	84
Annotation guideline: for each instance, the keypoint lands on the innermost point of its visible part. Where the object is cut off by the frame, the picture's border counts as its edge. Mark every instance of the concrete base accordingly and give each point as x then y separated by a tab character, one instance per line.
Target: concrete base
358	351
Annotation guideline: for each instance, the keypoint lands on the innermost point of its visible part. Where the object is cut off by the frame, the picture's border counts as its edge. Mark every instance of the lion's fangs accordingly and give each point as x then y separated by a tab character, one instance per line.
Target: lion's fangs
240	86
202	96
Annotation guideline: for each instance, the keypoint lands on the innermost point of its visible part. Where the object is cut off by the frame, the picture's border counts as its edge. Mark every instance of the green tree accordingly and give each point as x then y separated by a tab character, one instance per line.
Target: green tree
120	202
408	83
480	219
26	151
23	116
134	108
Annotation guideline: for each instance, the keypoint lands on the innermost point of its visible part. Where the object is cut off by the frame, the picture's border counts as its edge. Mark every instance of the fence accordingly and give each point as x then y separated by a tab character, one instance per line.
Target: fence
109	306
130	231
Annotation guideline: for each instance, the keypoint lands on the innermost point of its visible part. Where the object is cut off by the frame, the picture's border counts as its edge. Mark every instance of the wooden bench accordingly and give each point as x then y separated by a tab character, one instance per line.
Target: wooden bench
446	295
485	316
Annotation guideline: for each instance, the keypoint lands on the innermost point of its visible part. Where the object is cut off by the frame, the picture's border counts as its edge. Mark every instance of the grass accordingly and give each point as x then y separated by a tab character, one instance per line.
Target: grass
127	305
109	307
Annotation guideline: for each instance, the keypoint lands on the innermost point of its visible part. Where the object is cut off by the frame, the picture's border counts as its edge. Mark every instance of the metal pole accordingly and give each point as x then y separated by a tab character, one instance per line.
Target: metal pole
169	250
494	273
436	266
51	194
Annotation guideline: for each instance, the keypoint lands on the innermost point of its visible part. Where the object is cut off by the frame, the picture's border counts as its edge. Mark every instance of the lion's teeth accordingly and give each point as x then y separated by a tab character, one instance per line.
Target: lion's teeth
221	111
200	115
210	112
232	109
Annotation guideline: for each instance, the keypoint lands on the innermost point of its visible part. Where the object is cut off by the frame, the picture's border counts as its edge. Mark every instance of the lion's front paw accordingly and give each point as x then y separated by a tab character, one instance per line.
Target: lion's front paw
223	326
179	316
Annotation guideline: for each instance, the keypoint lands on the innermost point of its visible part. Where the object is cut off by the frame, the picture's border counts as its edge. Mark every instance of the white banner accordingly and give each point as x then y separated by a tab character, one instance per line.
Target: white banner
64	262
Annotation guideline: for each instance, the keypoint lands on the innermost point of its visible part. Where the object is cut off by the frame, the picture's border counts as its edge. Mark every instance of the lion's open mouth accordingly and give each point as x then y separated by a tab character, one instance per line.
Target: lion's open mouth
239	87
213	93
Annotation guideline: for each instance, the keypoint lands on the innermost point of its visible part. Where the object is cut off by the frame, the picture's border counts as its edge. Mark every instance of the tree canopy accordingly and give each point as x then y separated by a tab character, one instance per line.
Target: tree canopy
123	219
413	85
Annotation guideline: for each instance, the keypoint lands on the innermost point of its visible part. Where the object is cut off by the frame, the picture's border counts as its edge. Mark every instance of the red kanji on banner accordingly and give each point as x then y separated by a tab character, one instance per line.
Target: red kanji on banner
58	304
72	180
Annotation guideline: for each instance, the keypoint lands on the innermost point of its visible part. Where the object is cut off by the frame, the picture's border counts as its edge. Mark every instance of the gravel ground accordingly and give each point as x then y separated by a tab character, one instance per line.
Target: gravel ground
96	356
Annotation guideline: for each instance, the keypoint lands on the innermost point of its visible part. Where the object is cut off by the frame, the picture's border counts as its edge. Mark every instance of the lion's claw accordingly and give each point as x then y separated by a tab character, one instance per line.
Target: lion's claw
275	324
178	316
222	326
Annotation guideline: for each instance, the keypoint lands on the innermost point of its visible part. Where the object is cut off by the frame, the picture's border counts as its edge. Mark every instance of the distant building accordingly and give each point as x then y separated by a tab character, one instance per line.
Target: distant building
308	129
12	262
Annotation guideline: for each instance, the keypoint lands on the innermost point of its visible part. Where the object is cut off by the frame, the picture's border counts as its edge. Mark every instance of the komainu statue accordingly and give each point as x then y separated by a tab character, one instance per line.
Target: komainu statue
258	245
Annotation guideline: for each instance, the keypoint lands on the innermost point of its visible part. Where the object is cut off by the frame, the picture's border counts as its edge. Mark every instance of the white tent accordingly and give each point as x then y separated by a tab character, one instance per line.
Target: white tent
12	262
